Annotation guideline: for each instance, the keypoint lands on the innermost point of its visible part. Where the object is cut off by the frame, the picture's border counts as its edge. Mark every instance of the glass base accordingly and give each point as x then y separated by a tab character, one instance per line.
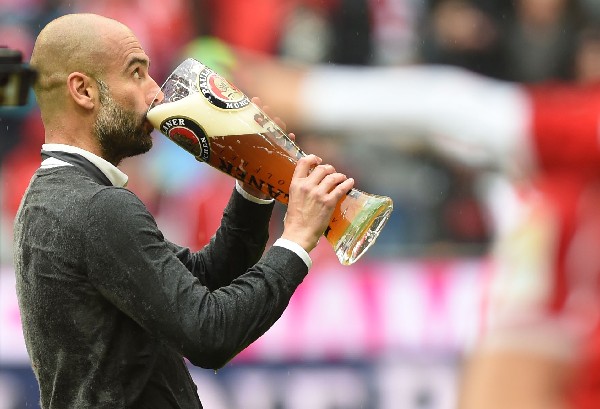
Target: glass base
364	230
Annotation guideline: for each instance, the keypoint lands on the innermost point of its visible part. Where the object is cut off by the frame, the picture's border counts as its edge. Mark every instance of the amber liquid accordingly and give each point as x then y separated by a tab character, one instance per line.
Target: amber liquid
267	163
247	145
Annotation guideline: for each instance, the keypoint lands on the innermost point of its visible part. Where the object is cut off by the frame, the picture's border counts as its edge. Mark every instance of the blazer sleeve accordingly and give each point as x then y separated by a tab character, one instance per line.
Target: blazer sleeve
236	246
135	269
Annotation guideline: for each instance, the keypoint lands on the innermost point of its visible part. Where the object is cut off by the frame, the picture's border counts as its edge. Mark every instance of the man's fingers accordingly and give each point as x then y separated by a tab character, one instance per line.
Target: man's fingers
267	110
320	172
323	175
336	184
305	164
314	192
280	123
342	189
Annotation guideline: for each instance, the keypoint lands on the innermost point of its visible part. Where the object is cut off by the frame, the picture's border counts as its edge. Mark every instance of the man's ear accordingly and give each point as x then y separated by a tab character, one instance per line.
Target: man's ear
82	90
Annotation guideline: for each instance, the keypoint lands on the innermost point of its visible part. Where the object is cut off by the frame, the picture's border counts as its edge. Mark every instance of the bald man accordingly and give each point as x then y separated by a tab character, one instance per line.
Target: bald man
109	307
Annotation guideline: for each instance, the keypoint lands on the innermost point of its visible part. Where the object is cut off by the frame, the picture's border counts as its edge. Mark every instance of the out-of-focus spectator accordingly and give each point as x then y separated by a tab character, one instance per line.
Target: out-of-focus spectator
539	41
591	9
586	64
464	33
525	40
395	31
255	25
356	32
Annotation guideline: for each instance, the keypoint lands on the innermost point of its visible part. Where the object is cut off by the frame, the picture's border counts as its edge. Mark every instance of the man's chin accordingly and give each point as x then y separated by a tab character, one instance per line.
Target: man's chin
148	128
139	149
146	146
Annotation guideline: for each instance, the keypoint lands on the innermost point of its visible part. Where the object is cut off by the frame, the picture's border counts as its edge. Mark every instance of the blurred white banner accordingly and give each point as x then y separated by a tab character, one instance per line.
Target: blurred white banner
363	311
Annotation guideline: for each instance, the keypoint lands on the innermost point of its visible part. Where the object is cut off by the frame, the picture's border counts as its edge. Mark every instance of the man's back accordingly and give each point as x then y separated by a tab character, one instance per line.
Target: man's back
85	351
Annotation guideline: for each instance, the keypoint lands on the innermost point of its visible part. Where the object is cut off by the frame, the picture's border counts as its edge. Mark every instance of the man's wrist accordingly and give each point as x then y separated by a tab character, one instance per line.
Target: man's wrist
249	196
296	248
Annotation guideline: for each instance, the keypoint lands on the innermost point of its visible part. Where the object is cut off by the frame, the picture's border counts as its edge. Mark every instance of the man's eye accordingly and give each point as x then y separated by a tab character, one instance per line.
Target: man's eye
137	74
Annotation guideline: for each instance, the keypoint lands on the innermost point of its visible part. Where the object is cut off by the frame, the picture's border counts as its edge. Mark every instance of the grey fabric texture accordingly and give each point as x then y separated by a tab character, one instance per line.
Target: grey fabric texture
110	308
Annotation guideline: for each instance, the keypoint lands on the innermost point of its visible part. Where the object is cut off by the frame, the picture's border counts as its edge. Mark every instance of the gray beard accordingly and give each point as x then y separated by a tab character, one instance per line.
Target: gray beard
121	133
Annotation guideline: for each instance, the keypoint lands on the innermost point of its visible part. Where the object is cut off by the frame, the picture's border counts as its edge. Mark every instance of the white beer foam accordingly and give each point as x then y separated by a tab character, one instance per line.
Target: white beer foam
214	120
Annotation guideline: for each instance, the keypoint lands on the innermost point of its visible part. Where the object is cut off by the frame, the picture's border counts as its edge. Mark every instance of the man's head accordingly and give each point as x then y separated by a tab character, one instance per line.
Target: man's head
93	87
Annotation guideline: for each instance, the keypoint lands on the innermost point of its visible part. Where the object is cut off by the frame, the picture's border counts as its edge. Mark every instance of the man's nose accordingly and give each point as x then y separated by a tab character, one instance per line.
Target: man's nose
156	96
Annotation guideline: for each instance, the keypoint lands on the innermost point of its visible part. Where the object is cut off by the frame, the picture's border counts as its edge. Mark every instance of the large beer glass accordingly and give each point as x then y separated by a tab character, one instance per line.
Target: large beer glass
214	121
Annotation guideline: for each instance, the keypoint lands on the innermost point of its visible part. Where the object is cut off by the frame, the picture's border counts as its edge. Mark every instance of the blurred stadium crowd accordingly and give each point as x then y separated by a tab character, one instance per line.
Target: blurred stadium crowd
438	212
437	208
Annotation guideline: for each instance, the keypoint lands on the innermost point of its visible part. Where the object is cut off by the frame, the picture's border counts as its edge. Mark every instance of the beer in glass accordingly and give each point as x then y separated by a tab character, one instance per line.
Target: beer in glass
218	124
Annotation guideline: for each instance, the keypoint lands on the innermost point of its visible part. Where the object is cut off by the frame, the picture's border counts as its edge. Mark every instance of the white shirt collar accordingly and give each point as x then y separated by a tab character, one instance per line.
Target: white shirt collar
116	177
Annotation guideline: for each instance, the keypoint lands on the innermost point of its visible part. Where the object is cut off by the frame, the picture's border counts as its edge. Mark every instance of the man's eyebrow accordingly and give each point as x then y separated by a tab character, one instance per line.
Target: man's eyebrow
137	60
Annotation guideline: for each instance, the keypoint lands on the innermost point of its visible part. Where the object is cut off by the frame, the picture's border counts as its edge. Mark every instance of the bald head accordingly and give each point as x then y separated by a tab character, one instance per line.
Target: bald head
71	43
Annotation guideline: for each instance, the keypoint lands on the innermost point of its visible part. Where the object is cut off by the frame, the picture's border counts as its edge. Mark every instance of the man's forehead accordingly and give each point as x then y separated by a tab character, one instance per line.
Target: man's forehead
125	49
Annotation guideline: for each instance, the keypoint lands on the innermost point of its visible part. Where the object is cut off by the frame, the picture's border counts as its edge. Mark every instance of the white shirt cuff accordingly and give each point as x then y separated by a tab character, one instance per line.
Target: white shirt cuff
296	248
285	243
250	197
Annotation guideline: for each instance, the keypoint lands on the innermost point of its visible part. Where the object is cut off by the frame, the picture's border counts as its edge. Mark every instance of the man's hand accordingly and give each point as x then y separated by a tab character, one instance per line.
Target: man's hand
315	190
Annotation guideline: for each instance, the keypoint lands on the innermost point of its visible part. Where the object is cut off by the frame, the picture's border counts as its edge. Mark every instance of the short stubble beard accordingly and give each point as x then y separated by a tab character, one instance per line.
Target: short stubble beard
121	133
